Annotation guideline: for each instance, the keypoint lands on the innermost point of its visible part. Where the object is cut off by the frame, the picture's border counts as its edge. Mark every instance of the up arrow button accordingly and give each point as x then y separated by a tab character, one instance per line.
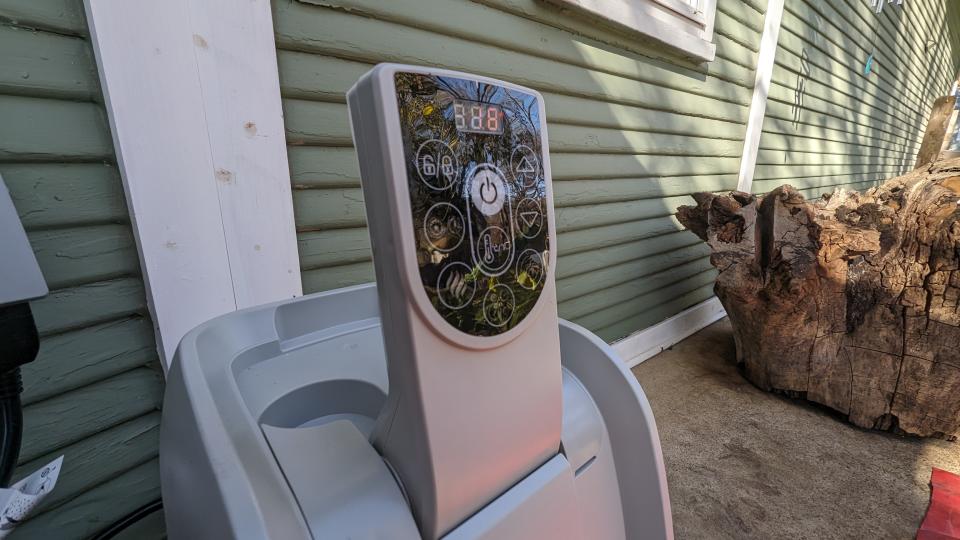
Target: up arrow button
525	165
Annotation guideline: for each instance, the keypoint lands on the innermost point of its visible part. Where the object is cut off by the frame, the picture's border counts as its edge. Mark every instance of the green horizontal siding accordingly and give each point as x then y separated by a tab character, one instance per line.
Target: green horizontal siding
111	451
830	125
84	515
52	16
632	132
94	392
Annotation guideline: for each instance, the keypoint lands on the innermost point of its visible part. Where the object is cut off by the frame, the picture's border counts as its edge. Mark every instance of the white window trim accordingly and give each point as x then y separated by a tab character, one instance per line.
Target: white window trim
685	10
674	23
193	97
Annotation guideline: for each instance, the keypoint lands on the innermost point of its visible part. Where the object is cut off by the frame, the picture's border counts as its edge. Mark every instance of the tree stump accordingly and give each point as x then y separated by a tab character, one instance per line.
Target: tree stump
850	301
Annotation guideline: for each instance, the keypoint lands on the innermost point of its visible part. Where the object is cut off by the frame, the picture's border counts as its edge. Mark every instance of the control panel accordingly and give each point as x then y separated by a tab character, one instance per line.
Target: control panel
456	182
477	189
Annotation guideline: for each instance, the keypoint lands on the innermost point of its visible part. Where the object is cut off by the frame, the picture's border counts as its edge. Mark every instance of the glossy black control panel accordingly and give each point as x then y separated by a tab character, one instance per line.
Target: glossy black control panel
478	195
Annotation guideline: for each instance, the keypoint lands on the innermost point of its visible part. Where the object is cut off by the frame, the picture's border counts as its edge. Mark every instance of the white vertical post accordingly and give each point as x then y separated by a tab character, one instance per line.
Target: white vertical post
761	87
193	97
237	59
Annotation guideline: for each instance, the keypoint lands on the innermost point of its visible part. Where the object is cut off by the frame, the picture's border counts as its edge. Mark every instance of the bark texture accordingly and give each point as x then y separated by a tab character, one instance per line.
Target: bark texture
850	301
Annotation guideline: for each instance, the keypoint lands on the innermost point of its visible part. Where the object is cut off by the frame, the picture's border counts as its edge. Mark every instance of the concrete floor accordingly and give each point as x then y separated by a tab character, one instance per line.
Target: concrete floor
742	463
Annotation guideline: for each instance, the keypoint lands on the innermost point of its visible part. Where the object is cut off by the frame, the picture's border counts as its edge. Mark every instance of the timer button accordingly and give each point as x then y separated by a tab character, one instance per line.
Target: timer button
498	305
529	218
443	227
525	165
488	189
437	165
453	288
493	250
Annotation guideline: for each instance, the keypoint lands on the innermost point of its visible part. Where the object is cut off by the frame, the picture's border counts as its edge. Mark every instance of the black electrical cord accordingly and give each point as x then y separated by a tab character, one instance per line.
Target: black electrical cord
128	520
11	424
19	343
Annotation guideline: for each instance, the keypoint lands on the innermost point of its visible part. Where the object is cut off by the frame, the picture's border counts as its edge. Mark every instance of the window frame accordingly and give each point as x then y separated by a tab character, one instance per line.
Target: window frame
685	29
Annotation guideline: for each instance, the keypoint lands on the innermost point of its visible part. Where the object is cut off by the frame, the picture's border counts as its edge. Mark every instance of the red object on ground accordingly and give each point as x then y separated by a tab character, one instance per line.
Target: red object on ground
942	521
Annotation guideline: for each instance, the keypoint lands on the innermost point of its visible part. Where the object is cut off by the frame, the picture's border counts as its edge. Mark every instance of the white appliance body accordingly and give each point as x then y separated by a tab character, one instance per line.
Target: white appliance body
449	401
456	180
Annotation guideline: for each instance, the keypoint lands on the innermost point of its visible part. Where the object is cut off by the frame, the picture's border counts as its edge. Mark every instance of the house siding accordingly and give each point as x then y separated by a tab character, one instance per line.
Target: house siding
94	391
828	124
632	133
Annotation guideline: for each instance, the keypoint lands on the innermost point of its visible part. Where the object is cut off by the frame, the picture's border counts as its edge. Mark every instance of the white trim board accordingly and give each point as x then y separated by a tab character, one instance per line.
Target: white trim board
761	87
649	342
193	97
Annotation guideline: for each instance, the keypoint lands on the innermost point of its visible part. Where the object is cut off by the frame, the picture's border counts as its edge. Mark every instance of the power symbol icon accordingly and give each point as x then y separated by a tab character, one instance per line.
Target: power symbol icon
488	190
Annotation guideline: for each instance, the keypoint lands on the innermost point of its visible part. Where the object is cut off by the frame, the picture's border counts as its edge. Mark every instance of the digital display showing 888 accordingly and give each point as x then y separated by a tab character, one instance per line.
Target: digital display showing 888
478	117
478	198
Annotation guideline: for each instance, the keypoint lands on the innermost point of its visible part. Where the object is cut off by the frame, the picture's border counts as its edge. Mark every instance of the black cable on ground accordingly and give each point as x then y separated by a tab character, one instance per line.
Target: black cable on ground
128	520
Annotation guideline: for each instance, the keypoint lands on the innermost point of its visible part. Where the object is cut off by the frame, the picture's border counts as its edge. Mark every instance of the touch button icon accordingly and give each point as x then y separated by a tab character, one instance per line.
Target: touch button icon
493	250
443	226
525	166
529	218
454	289
437	165
530	269
488	189
498	305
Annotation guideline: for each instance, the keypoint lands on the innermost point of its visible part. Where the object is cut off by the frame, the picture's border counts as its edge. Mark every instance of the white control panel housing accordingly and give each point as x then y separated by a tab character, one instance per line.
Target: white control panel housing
456	180
20	277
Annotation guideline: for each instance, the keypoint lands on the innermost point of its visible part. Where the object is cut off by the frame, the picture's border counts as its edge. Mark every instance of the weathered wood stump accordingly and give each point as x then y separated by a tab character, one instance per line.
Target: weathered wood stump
850	301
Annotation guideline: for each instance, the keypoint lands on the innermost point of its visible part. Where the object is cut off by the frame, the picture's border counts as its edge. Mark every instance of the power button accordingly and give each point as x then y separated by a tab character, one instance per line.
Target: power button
488	190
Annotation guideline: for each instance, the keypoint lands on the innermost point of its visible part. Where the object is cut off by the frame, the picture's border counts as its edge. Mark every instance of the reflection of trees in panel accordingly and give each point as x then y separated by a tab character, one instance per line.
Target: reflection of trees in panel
426	112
